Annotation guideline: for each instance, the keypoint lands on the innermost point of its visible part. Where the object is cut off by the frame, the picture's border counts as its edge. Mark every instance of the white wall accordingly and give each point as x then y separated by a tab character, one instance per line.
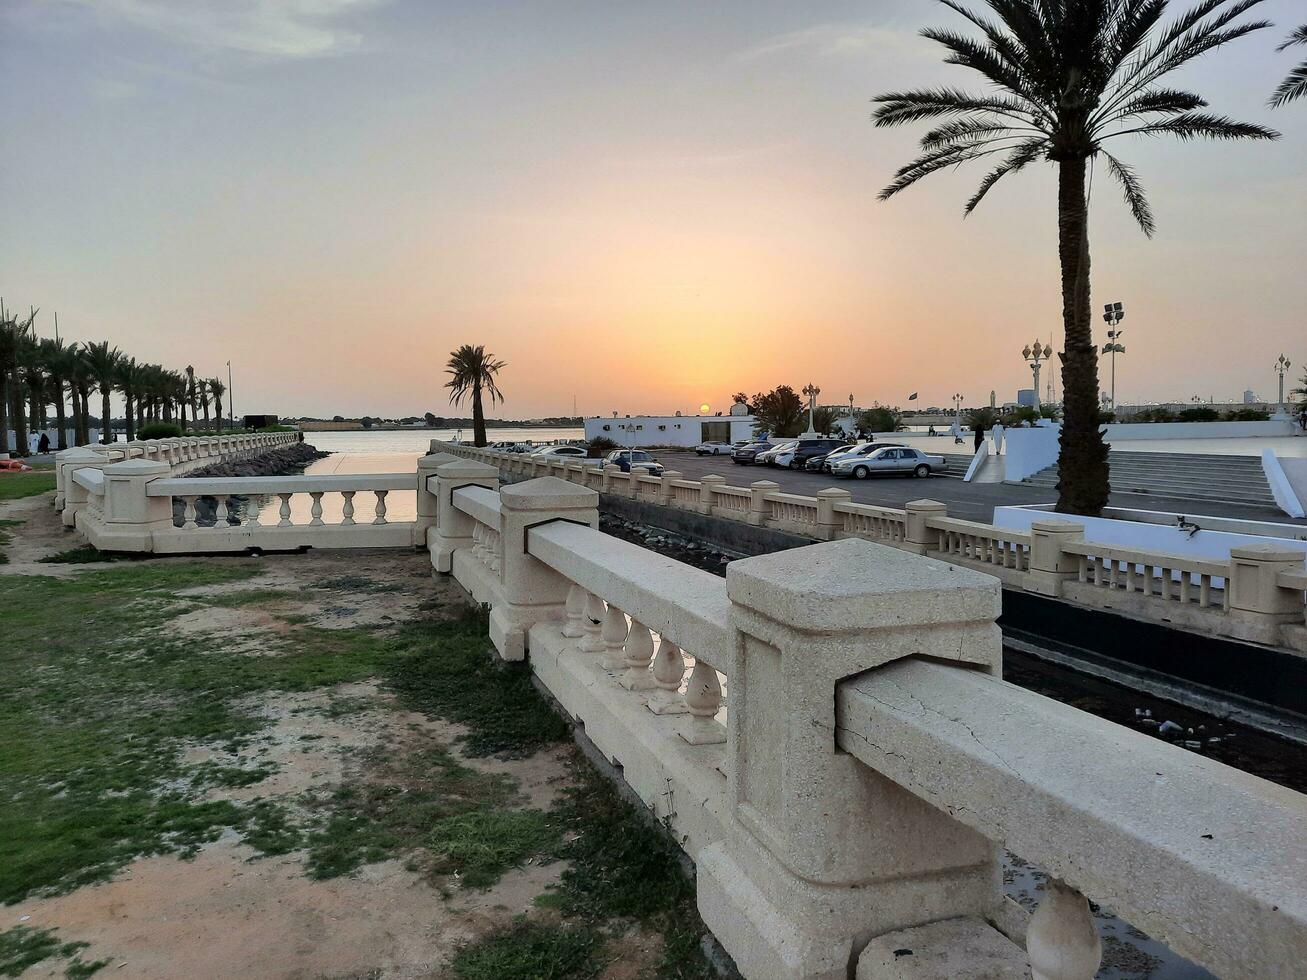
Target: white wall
1293	471
666	430
1126	431
1027	451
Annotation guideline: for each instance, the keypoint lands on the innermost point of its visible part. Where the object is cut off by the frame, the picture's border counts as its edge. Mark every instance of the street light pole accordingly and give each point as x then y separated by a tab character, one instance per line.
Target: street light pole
1282	366
1113	314
957	416
1036	355
231	409
812	391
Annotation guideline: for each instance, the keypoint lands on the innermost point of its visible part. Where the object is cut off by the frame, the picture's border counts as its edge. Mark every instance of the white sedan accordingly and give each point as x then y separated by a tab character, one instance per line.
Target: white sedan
559	452
713	449
888	461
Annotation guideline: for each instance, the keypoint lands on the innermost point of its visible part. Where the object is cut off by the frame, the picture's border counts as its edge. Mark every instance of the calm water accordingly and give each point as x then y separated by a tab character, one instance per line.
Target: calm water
385	451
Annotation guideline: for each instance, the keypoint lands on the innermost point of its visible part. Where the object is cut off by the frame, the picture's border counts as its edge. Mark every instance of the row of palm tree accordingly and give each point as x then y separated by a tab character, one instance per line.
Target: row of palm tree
1066	79
37	372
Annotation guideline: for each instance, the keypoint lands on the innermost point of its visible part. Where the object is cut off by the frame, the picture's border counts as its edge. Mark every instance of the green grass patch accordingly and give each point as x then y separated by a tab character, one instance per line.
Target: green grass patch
538	951
451	819
15	486
22	947
4	538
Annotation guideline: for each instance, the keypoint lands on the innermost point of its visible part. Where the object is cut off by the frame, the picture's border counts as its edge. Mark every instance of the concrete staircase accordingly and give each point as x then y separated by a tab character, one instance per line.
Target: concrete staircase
957	464
1187	476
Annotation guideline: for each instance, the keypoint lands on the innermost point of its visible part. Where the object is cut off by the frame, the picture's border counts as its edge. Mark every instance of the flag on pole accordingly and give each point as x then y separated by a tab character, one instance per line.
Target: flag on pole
912	397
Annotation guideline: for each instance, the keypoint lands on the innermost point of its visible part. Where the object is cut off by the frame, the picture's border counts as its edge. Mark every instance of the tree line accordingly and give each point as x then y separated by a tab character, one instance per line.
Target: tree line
37	373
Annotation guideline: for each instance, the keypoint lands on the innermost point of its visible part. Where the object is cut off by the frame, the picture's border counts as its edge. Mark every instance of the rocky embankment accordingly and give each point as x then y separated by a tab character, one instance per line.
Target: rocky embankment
282	461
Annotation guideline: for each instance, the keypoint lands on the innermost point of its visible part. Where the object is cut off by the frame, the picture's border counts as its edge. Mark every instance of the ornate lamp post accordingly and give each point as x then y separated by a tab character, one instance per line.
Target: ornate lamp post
1036	355
812	391
957	415
1281	368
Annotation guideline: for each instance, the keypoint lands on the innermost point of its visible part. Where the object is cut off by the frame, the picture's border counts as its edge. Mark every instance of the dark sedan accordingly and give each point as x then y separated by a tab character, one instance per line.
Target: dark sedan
748	455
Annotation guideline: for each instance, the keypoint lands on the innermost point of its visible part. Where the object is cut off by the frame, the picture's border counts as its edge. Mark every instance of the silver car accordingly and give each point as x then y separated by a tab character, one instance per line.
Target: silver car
888	461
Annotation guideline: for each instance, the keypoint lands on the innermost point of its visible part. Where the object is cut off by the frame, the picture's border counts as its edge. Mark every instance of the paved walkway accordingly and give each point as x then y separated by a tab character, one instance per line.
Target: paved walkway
969	501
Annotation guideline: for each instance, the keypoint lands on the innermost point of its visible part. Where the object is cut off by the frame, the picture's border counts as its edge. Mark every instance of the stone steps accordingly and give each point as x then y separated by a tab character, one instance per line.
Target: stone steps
1229	479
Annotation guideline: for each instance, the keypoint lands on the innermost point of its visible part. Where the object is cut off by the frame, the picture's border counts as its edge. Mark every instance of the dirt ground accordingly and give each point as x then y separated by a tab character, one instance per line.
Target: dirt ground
228	912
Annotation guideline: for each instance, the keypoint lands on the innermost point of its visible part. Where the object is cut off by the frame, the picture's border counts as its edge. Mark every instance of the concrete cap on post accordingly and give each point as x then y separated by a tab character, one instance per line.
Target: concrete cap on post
1254	592
532	591
834	852
707	484
130	515
427	503
828	522
1050	566
453	529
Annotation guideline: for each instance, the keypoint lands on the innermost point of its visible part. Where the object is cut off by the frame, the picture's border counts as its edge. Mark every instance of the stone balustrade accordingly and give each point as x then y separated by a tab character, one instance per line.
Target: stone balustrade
827	735
129	498
1053	559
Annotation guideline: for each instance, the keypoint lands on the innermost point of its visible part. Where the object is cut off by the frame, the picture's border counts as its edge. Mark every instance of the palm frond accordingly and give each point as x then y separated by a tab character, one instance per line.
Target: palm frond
1293	87
1201	125
1134	194
1017	160
897	108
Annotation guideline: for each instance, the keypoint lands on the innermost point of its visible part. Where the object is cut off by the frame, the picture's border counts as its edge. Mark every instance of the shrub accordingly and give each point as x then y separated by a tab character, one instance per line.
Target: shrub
160	430
1155	414
1202	413
1247	415
599	447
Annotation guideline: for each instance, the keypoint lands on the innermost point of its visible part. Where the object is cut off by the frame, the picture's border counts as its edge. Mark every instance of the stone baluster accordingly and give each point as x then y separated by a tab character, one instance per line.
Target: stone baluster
668	672
575	608
252	512
285	510
188	520
316	509
478	541
639	652
220	513
347	508
614	634
591	624
381	507
495	561
1061	940
703	698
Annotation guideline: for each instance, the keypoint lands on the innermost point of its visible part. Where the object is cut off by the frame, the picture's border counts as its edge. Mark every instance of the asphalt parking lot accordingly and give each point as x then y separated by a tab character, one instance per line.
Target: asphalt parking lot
969	501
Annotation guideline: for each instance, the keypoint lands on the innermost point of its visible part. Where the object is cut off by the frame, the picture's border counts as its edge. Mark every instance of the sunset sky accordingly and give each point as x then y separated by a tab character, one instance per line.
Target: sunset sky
640	206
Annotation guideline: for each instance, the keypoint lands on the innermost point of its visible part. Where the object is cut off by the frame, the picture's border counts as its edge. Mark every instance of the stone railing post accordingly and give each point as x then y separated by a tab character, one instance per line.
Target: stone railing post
453	528
1255	597
75	496
707	485
428	501
917	537
665	489
609	470
130	516
1050	566
759	509
829	523
532	591
822	853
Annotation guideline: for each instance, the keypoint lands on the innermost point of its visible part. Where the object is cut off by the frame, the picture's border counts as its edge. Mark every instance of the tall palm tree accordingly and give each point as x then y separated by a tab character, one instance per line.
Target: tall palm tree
102	367
202	393
217	389
130	375
190	396
1070	75
14	335
58	358
1295	86
473	371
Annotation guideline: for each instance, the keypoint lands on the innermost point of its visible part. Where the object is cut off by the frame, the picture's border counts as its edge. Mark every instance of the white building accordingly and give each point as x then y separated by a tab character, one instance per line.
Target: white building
671	430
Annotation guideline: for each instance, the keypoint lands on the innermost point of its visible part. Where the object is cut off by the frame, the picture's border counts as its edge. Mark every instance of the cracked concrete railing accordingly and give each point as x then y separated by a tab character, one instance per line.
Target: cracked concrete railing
872	760
1051	559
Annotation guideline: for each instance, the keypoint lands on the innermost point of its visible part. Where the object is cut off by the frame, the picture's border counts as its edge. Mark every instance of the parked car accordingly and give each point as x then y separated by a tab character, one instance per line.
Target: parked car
504	447
634	459
768	456
806	450
559	452
861	449
713	449
748	453
889	461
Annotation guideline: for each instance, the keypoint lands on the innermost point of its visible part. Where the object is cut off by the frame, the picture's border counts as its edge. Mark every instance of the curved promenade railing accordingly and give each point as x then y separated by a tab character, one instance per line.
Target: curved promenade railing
1253	596
827	735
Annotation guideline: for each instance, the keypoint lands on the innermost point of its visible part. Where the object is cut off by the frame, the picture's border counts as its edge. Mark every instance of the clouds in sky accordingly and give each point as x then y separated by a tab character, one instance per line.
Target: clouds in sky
266	28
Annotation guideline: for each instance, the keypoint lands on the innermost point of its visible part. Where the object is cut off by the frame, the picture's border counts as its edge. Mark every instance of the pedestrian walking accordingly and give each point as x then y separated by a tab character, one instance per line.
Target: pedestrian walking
43	444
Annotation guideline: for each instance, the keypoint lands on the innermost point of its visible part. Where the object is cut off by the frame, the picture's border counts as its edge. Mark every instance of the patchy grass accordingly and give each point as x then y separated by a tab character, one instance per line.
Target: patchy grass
88	554
21	947
4	538
15	486
528	949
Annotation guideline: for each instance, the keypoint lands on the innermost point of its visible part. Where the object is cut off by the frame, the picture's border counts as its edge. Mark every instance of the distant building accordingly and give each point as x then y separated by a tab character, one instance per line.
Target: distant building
260	421
1248	397
671	430
1028	398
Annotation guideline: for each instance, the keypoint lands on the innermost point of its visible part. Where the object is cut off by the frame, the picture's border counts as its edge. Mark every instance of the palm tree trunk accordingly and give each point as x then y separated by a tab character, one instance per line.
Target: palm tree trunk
131	419
19	412
478	418
106	427
217	413
1083	486
61	418
4	410
82	398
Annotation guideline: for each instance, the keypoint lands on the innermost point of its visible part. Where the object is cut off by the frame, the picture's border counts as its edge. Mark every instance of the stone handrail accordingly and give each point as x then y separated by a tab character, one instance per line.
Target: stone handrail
806	854
1207	859
1054	561
250	485
92	480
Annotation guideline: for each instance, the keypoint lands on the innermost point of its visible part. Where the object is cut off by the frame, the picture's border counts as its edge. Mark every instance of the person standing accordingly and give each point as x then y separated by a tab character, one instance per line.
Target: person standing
43	444
980	435
33	442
